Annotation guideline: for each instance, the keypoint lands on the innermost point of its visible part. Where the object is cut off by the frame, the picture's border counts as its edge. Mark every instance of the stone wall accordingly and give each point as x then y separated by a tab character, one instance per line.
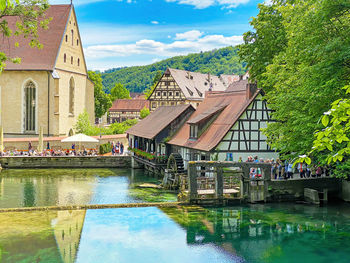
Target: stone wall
294	189
66	162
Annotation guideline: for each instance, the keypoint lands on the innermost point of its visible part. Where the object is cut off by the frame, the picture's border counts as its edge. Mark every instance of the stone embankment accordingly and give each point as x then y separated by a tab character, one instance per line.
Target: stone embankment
83	207
18	162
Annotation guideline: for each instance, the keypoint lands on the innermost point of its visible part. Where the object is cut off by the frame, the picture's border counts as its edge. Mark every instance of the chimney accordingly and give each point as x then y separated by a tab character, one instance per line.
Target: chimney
251	88
188	75
240	77
209	78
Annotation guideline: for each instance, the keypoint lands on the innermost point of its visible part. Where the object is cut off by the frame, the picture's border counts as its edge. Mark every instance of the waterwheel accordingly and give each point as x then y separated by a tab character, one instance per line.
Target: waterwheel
175	167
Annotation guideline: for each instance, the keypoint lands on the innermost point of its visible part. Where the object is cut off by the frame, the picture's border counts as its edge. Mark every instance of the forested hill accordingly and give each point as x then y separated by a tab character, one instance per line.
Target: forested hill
138	78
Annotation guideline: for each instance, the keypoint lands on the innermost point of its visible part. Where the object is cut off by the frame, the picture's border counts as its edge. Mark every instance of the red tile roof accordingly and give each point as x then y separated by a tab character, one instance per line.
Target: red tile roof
129	105
236	102
158	120
33	58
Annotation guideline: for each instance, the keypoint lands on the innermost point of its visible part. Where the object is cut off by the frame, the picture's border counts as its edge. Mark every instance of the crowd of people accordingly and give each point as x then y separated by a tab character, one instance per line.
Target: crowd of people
117	149
284	170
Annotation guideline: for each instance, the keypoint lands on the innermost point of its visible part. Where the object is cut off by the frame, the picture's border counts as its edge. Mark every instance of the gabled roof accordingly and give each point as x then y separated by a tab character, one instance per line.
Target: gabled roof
236	102
157	121
33	58
129	105
195	84
238	85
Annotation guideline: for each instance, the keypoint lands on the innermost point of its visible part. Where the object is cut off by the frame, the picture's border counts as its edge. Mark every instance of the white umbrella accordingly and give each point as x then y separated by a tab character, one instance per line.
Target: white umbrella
79	138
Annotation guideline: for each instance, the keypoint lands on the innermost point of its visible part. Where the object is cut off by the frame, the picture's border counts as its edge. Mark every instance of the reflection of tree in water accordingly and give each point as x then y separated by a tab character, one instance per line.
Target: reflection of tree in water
256	235
29	194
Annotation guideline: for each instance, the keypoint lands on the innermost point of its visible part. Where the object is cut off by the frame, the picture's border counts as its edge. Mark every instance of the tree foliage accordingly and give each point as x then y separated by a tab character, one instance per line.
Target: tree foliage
119	92
144	113
300	55
102	101
84	126
137	79
31	17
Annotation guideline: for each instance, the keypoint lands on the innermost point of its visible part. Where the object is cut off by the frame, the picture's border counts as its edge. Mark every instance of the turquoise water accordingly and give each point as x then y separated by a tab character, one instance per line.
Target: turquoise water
49	187
253	233
270	233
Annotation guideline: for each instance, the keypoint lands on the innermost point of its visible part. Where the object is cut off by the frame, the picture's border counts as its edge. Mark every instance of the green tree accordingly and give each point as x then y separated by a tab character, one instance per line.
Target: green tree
83	124
303	74
144	113
119	92
102	100
29	12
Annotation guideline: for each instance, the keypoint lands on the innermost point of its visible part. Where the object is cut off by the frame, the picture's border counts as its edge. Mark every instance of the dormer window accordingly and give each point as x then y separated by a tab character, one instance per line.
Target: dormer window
199	93
194	131
189	91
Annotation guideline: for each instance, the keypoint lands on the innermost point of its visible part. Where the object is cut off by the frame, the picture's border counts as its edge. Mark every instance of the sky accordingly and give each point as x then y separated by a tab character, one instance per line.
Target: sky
119	33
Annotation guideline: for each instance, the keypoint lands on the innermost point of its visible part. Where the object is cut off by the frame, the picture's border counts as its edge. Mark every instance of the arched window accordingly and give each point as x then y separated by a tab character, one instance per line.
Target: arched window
77	42
29	106
71	95
78	62
72	37
65	58
71	60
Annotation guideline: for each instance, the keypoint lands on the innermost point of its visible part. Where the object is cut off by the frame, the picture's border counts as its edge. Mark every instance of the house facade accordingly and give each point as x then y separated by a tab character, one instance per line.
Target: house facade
178	87
50	87
126	109
226	126
152	133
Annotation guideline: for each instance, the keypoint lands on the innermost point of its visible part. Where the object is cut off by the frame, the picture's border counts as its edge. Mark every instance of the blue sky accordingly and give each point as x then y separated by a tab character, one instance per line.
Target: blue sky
117	33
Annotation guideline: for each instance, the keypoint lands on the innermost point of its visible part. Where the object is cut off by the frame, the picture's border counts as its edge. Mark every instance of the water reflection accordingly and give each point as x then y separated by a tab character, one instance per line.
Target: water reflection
28	188
270	233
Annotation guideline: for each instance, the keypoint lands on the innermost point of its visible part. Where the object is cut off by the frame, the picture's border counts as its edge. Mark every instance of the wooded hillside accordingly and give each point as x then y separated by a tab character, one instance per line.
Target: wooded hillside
138	78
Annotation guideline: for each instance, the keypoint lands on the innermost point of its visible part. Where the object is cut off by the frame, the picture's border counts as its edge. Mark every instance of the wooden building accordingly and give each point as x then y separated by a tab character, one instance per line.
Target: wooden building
125	109
152	133
226	125
183	87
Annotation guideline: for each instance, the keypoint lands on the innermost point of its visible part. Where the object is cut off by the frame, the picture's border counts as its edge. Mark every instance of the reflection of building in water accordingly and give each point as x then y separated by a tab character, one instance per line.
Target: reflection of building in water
67	227
243	234
35	189
40	236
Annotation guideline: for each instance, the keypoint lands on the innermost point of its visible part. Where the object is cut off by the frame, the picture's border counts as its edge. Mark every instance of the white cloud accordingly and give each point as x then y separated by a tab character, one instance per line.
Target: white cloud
154	22
157	48
189	35
201	4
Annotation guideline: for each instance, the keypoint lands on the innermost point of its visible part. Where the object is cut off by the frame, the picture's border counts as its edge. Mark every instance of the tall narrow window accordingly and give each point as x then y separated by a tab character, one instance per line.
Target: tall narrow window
78	62
30	106
77	42
65	58
72	37
71	60
66	38
71	95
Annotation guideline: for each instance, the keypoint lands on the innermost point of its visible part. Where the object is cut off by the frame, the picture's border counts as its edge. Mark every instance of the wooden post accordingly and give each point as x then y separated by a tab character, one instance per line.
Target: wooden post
219	184
192	181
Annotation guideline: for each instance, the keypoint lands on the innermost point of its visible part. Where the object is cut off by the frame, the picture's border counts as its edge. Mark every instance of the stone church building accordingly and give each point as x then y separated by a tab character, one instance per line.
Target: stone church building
50	87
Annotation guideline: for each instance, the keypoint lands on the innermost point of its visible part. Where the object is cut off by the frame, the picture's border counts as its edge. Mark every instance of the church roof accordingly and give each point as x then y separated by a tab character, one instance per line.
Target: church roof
232	105
129	105
33	58
195	84
157	121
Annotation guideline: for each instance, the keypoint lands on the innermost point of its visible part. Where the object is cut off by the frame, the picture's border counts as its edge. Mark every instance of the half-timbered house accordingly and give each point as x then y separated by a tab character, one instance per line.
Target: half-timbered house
126	109
183	87
152	133
226	125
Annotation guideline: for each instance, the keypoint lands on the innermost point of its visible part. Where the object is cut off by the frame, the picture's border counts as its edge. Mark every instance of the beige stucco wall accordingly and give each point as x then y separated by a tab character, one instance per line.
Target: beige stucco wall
12	99
75	50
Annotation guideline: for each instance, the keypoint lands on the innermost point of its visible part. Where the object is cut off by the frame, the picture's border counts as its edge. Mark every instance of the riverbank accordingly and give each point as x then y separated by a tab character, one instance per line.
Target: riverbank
20	162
